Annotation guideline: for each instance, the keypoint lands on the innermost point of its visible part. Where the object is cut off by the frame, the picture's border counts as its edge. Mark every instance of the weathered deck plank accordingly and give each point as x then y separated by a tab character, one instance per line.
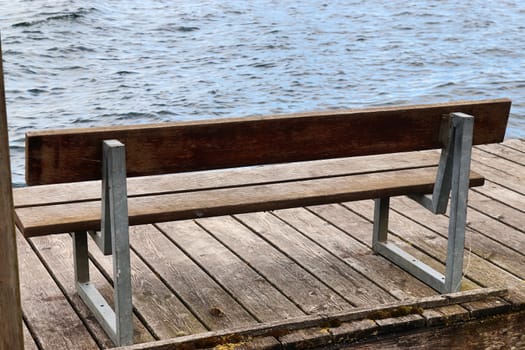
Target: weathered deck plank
193	277
396	281
54	322
56	251
211	304
163	312
256	294
299	285
29	342
516	144
349	283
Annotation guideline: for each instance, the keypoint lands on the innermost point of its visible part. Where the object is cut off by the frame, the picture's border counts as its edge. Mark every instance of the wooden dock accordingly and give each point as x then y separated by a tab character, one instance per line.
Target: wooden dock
278	276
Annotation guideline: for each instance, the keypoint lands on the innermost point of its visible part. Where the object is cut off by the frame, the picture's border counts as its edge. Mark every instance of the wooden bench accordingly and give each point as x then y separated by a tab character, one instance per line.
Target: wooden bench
207	168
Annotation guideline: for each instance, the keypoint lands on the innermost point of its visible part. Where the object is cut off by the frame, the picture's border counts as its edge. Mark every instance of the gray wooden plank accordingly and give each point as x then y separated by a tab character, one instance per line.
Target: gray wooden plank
349	283
54	323
306	291
499	209
341	217
158	306
475	268
500	165
393	279
213	306
250	289
499	193
514	181
29	342
517	144
477	242
398	282
504	152
57	253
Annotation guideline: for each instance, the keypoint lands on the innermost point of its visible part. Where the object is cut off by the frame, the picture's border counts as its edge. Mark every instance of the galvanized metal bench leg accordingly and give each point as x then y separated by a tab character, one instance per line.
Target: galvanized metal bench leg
118	324
463	130
397	255
452	177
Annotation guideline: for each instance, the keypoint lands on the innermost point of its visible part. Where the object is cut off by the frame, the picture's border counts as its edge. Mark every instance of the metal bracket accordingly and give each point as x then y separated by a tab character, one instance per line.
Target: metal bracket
452	178
118	323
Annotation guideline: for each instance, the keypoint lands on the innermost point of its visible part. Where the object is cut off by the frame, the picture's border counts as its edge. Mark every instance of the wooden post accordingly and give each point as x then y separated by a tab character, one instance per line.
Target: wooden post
11	336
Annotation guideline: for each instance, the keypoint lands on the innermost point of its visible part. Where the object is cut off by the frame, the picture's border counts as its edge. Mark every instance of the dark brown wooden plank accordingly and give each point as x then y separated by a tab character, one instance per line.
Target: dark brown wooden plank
341	277
211	304
165	315
179	206
336	324
161	184
75	154
501	332
52	319
250	289
11	335
57	253
307	292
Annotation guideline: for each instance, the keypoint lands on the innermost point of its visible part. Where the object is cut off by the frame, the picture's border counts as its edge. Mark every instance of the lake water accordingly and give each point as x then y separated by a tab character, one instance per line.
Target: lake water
104	62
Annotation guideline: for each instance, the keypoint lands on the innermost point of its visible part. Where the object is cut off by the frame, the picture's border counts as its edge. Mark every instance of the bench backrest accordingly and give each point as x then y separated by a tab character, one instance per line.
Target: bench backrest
75	154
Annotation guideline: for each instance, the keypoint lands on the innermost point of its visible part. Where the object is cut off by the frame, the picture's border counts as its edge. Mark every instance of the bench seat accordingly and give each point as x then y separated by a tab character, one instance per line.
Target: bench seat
74	207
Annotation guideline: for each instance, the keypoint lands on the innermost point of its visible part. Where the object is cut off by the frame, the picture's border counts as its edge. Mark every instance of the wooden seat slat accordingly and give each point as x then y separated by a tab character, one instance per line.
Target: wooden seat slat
40	220
162	184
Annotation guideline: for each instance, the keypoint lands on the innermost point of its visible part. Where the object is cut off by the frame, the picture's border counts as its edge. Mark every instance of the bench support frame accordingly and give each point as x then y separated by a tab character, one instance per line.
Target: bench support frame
114	238
452	179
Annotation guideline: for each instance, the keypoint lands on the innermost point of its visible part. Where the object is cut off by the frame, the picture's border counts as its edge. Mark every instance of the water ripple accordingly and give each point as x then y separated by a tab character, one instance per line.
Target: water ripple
119	62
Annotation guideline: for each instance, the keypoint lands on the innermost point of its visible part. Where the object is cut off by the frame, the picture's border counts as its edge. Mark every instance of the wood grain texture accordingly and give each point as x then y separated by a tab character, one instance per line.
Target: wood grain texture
57	253
163	312
517	144
250	289
501	332
162	184
340	216
392	278
300	286
208	301
334	324
11	335
46	310
342	278
426	235
179	206
75	154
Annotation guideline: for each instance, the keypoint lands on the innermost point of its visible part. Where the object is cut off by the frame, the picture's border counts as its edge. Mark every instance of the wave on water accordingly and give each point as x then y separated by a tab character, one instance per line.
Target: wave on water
68	16
116	62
